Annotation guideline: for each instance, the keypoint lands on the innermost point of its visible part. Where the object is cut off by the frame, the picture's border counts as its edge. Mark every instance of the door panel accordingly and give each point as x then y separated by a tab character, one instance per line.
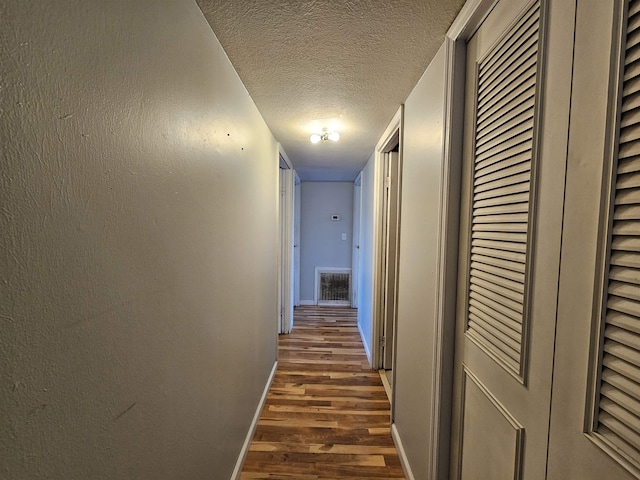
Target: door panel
515	140
391	243
595	421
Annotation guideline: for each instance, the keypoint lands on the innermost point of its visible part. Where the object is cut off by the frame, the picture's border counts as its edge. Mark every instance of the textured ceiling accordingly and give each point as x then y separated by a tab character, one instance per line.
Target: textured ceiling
346	65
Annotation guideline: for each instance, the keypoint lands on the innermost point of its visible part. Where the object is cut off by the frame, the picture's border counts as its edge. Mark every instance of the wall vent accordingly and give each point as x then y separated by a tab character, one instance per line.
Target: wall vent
333	286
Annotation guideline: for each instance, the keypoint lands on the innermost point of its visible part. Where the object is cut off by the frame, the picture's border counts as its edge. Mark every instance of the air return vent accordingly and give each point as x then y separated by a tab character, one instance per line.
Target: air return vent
333	286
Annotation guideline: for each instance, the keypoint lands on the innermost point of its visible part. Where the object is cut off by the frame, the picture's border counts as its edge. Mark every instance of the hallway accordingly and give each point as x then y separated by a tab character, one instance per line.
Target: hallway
326	414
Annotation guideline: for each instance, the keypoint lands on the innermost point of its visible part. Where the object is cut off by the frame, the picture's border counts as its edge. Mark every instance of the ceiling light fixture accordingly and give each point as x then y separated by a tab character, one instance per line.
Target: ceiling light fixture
324	136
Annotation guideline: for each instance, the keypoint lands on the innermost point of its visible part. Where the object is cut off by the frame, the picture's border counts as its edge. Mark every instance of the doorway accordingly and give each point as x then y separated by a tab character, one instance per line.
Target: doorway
357	227
389	185
286	255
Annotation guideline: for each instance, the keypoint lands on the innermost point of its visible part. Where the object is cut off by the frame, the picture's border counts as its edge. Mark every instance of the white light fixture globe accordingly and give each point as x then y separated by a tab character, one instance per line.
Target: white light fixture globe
326	135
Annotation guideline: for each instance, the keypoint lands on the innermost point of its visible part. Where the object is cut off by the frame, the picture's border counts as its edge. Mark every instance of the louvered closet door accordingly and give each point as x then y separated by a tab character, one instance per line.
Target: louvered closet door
511	216
595	423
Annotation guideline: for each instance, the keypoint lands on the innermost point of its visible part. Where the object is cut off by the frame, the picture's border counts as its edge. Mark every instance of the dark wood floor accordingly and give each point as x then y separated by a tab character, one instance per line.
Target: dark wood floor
326	414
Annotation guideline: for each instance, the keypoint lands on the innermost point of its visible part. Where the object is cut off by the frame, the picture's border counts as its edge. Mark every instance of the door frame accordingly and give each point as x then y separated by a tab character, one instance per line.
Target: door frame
296	239
286	187
391	137
462	29
356	261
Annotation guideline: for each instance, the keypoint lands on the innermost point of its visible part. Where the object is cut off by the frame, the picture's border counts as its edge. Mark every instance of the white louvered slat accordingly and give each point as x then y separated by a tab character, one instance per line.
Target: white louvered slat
626	228
502	200
625	384
631	103
508	131
617	421
496	78
631	70
501	245
505	82
504	175
506	209
621	398
499	271
501	195
496	253
518	159
520	93
493	335
611	363
494	293
630	87
520	153
505	282
495	287
631	117
502	150
629	244
522	187
518	114
503	237
520	33
629	165
627	212
628	133
504	324
633	55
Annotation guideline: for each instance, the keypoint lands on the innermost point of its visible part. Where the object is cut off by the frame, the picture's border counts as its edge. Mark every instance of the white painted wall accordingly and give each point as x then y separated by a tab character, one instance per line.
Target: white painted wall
138	190
421	191
321	243
367	238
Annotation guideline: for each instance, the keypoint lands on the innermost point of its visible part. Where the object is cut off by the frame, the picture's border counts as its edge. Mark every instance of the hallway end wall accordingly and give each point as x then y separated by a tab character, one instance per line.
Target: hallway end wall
321	243
138	244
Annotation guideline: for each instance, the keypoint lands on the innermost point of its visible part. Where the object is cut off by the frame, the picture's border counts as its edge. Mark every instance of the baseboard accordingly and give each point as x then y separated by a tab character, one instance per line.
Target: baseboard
254	424
404	461
307	302
365	345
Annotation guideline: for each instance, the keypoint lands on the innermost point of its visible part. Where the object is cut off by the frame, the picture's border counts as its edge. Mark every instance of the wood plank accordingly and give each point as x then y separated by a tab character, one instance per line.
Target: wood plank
326	415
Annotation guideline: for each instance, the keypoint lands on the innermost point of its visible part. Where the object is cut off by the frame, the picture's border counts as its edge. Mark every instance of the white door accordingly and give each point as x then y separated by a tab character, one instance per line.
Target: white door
391	232
281	252
296	242
285	251
510	232
595	419
355	253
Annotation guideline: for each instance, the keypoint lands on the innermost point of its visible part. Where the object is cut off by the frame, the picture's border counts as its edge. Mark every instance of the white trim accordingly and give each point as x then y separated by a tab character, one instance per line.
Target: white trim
286	280
392	133
307	302
284	156
404	461
470	18
365	344
462	29
254	424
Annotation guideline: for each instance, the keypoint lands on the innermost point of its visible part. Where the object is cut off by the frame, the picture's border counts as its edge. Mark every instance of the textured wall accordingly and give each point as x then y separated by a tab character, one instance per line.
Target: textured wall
421	190
137	244
321	243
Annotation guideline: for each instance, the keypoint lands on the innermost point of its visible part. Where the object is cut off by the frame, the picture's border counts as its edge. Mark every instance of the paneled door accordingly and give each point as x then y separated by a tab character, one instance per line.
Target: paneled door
515	138
595	419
